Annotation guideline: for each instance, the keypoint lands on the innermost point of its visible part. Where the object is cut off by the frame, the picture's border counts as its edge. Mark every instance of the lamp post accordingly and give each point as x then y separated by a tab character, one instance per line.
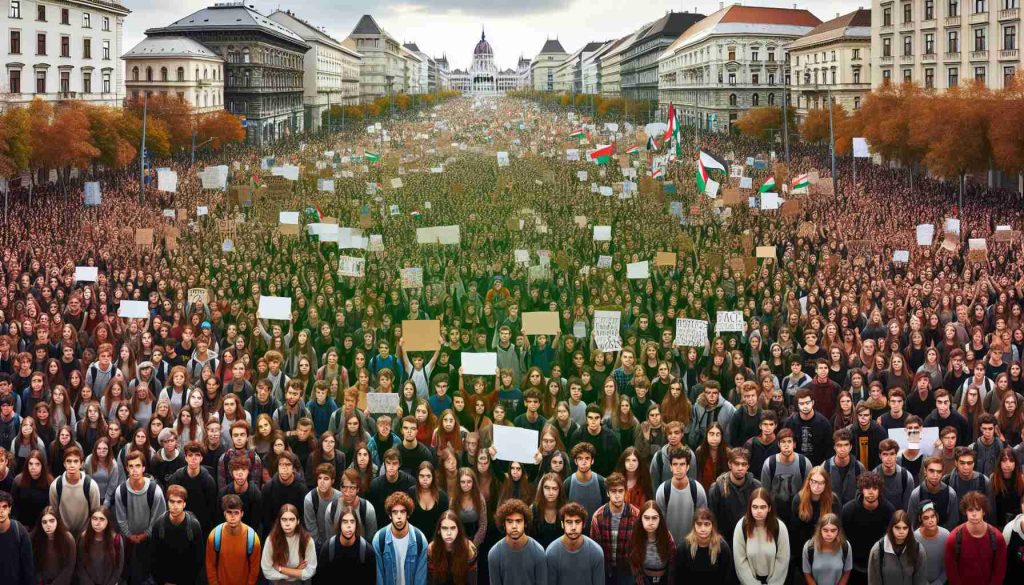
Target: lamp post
142	155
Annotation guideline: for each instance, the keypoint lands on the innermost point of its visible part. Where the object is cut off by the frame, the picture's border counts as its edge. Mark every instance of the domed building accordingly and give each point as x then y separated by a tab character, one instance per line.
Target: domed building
484	77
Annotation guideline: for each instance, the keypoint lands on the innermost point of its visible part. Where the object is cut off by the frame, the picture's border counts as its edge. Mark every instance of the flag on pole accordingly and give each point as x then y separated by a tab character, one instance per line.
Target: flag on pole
702	176
801	182
769	185
372	156
671	131
633	150
651	144
578	133
713	162
319	214
658	173
256	183
602	154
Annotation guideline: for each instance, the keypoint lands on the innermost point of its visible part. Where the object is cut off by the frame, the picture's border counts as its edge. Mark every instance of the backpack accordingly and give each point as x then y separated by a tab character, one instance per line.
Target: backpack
959	541
332	544
161	525
86	489
420	546
122	494
666	493
250	541
810	553
785	491
333	507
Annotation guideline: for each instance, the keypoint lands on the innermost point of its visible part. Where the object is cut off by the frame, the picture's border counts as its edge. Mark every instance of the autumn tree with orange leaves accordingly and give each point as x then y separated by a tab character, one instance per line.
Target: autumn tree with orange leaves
762	122
220	128
951	130
1006	128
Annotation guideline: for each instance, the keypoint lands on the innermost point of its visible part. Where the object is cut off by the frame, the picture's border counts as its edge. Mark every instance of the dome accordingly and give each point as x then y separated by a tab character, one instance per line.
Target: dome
483	47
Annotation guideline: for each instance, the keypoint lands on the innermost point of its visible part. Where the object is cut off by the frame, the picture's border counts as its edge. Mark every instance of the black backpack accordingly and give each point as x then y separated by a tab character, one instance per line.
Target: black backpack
332	545
666	493
810	553
161	525
86	489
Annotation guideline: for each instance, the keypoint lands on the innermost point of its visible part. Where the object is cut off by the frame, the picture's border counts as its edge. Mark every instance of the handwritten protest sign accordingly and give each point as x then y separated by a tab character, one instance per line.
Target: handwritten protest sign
729	321
606	330
691	332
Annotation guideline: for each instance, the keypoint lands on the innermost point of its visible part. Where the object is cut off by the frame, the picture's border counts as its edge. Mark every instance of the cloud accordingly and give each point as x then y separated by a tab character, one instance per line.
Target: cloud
488	9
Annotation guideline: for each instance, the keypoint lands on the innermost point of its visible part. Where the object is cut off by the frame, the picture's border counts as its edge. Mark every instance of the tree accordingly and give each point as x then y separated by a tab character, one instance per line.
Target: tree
110	130
220	128
66	142
402	102
816	125
1006	127
761	122
176	114
951	130
15	142
887	115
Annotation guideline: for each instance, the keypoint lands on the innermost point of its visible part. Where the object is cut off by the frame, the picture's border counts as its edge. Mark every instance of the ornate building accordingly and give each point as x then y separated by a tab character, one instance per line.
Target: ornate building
484	77
176	66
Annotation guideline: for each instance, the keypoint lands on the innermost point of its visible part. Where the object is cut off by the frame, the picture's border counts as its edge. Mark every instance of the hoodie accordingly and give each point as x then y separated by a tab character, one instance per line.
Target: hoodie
703	415
728	501
1014	537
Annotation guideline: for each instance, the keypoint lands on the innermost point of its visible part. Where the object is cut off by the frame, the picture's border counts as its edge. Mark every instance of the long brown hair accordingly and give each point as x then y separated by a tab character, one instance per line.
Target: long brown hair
279	541
771	522
443	563
912	547
1001	485
24	479
540	502
108	538
676	409
638	540
805	508
714	543
643	472
41	546
839	543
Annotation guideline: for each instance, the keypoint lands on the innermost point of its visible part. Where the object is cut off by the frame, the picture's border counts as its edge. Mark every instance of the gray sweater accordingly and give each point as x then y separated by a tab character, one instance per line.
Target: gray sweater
893	569
138	516
514	567
74	504
935	549
582	567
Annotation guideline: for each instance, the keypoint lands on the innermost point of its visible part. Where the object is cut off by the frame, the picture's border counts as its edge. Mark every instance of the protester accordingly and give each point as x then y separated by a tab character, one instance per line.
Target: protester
975	551
906	557
233	551
705	555
451	557
101	551
399	547
827	557
517	558
760	543
290	553
575	558
178	544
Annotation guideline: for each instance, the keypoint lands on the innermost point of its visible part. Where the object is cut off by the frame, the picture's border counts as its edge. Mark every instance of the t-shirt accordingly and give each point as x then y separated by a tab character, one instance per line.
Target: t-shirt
829	566
581	567
679	515
587	494
401	549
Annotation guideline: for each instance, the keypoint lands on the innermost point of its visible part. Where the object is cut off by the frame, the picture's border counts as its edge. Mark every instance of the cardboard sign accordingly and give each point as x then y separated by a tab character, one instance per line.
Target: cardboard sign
144	237
665	259
515	444
133	309
382	402
606	330
87	273
412	277
278	308
421	335
729	321
766	252
638	270
541	322
198	295
351	266
691	333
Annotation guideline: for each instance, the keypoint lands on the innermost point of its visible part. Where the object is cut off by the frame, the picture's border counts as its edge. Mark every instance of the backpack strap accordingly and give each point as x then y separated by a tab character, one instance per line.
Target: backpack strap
250	542
362	550
330	548
666	493
693	493
59	486
810	555
380	541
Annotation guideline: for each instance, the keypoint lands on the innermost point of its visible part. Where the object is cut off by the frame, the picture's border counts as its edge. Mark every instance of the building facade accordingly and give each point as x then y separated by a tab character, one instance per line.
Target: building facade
415	70
941	44
833	58
542	68
176	66
63	50
639	64
330	70
729	62
423	69
443	81
263	66
523	73
382	70
611	66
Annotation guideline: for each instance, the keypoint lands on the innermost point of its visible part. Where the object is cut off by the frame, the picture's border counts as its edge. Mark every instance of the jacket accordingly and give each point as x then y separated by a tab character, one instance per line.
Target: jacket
728	501
601	532
885	567
415	557
704	415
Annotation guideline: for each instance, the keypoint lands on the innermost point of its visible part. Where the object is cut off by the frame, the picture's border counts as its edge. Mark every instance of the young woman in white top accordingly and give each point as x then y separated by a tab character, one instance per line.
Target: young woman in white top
760	543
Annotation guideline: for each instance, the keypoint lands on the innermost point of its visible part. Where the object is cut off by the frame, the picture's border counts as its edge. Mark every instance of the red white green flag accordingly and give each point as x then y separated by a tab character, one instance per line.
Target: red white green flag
602	154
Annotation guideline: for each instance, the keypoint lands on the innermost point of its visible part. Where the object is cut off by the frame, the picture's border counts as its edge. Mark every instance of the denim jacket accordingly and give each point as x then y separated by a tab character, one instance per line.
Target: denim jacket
415	557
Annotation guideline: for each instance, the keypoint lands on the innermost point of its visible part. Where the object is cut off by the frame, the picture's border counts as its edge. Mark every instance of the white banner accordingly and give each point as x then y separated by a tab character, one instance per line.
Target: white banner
606	330
691	333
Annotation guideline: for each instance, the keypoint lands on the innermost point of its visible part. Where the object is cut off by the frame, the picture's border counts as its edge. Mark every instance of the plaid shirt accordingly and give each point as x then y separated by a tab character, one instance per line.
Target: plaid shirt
601	532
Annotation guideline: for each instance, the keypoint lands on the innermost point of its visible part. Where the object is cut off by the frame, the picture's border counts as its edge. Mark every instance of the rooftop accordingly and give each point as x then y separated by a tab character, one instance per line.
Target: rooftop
854	25
739	19
170	47
226	16
552	46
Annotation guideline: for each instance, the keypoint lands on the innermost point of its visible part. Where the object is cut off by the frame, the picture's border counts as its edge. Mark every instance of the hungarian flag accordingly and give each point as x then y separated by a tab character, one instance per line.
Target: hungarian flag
319	214
602	154
578	133
672	130
256	183
372	156
417	214
769	185
633	150
658	173
801	182
651	144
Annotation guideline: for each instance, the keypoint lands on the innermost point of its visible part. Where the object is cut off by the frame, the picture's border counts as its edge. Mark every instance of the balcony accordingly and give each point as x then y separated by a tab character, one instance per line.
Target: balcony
1009	14
885	60
952	21
1008	55
978	18
951	56
927	24
928	58
904	26
885	29
906	59
979	56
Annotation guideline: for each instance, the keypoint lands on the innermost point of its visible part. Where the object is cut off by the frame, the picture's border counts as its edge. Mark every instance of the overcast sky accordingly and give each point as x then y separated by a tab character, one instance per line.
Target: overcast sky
514	27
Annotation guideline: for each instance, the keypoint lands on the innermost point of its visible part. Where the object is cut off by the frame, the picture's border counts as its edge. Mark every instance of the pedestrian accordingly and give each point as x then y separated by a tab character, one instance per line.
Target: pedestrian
760	543
178	542
827	558
101	551
516	558
233	550
139	502
53	549
290	553
897	559
396	538
975	551
18	566
347	555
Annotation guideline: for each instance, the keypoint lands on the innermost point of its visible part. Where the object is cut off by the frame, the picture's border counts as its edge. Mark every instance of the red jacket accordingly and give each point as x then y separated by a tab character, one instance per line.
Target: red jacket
975	564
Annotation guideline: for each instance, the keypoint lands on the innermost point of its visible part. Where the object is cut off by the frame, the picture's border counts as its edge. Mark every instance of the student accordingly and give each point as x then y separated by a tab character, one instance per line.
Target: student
411	451
987	447
975	552
935	492
612	527
604	441
198	482
575	558
585	486
945	415
73	493
285	488
703	557
912	457
451	557
897	558
351	498
865	436
240	446
965	479
288	415
865	520
899	483
393	480
233	549
383	440
894	419
399	547
347	555
317	505
765	444
827	559
516	559
729	494
18	566
814	500
178	545
710	408
932	539
784	473
745	423
290	553
680	496
824	391
842	469
811	430
760	543
250	496
53	550
101	554
139	501
1013	534
660	468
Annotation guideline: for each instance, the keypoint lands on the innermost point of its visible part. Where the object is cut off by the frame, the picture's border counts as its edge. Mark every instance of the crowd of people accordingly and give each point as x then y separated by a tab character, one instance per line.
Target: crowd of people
866	427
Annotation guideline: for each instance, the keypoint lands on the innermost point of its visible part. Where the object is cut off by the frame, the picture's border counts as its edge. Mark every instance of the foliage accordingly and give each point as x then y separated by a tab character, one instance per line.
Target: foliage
761	122
1006	127
220	128
951	130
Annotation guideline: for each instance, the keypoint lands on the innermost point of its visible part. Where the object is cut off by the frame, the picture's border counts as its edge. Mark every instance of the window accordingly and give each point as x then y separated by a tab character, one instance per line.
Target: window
908	48
65	46
1009	4
40	82
106	82
953	44
887	47
86	20
954	8
106	50
40	15
87	48
979	39
907	14
41	44
106	23
929	78
245	59
755	100
135	73
856	75
65	16
149	74
979	74
87	82
181	74
929	44
906	75
886	75
754	78
1009	74
1009	38
65	81
929	9
732	53
856	103
952	77
887	16
15	80
732	99
833	56
771	79
856	54
771	99
732	79
15	12
15	42
163	74
979	6
771	56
